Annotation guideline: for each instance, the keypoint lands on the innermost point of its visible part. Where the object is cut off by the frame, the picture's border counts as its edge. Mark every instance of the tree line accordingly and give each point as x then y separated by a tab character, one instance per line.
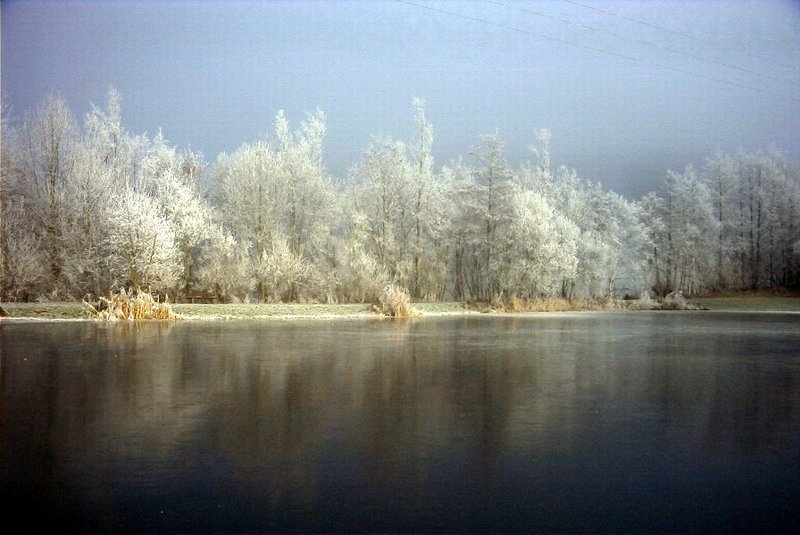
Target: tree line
88	208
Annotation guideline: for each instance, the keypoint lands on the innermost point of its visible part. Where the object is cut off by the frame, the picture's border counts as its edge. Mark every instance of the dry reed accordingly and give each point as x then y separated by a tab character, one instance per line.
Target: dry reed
125	305
556	304
395	301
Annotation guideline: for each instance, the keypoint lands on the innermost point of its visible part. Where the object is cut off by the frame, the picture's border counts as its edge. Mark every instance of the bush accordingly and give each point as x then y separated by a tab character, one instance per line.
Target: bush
126	306
395	301
674	301
645	302
538	304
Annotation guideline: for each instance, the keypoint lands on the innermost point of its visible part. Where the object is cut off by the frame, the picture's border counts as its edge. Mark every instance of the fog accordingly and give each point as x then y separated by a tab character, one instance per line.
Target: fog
627	89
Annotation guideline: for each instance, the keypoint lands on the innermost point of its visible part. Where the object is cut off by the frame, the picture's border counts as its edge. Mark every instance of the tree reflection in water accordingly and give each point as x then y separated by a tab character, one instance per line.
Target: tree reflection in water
607	421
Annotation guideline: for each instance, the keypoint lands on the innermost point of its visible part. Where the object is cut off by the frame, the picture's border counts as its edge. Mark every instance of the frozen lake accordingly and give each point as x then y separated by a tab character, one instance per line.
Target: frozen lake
645	421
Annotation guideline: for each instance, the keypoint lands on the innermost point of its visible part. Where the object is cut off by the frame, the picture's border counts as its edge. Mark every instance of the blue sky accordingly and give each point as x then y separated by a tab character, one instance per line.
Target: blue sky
626	88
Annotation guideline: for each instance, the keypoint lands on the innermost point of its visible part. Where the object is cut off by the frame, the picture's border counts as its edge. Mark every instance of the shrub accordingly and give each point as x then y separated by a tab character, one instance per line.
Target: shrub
395	301
645	302
674	301
127	306
538	304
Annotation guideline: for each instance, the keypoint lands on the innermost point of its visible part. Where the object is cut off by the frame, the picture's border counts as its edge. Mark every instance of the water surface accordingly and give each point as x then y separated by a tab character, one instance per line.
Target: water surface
567	422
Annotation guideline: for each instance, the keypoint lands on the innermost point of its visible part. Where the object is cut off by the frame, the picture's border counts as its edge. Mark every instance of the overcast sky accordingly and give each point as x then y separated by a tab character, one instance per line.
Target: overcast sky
626	88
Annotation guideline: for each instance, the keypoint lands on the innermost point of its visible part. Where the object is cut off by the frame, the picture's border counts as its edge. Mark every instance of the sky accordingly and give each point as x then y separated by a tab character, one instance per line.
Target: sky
627	89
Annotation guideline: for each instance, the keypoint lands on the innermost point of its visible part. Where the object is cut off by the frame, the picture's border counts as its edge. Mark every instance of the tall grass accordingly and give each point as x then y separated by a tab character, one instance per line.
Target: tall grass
556	304
395	301
129	306
676	301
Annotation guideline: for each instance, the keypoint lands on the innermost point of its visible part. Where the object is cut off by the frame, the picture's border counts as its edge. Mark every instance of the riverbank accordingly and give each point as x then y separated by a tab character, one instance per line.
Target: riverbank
78	311
750	303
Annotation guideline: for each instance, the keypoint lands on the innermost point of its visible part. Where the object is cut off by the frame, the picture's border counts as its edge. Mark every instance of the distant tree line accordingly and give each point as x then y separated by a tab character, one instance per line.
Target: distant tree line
91	208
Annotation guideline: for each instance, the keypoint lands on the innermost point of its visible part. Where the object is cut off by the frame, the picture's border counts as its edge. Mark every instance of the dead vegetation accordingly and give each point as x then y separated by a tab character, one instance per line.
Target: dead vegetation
395	301
673	301
127	305
554	304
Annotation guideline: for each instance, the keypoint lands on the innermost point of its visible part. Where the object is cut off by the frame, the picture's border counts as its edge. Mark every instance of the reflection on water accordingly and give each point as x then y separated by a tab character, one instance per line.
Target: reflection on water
643	422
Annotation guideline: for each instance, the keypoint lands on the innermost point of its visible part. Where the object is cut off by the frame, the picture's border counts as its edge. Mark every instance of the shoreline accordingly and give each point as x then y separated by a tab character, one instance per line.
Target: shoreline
76	311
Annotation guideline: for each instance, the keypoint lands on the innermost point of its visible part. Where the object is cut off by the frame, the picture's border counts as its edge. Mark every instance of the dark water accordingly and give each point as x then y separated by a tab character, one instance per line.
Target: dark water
592	422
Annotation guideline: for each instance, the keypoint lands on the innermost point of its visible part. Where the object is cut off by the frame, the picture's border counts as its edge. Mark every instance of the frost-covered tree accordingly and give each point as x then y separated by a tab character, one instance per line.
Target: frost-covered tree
225	266
273	192
89	198
651	210
24	258
545	247
250	198
729	228
383	207
49	138
12	195
281	271
721	184
358	275
423	192
84	209
691	232
485	214
98	178
617	227
309	208
768	223
398	208
142	245
171	179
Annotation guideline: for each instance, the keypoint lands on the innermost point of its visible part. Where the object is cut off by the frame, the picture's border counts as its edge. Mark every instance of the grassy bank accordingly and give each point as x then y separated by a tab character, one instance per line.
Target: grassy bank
45	310
750	303
61	311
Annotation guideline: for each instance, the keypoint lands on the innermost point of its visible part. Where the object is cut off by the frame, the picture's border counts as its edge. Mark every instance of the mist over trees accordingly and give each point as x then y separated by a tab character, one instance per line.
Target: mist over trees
88	207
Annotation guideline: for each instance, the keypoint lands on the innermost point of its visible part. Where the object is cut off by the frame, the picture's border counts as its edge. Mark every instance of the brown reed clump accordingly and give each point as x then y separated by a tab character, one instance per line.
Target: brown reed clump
125	305
395	301
560	304
537	304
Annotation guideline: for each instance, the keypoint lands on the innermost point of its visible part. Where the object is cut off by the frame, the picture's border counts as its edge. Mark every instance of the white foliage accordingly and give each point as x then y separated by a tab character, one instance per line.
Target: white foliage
279	195
359	275
545	245
280	270
25	260
142	243
383	199
225	266
83	211
692	229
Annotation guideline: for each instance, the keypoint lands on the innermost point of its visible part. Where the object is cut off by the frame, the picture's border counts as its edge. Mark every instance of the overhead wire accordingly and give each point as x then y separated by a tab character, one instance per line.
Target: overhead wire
677	32
642	42
599	50
519	30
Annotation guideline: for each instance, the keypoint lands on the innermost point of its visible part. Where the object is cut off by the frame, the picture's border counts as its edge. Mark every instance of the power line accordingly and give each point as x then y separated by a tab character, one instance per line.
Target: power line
643	42
678	32
519	30
599	50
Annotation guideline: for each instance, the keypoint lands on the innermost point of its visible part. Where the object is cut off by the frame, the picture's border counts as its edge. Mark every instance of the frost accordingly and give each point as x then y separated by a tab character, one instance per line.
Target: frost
87	209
